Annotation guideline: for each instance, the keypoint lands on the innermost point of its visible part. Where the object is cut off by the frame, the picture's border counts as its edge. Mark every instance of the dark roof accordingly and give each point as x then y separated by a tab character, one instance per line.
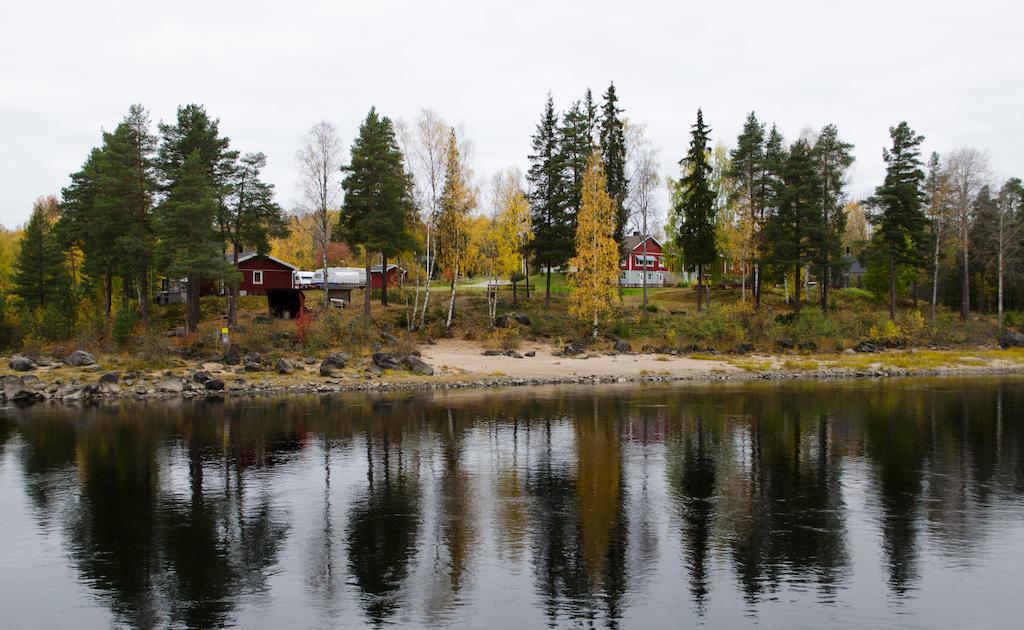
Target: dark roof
244	256
852	264
635	240
376	268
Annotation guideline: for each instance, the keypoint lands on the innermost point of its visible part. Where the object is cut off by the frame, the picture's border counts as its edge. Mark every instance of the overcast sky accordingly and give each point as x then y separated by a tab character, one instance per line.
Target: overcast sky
269	70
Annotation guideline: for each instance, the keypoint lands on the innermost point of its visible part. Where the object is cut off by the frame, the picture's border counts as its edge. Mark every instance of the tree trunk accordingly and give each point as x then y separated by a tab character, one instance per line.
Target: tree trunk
526	272
700	286
935	275
451	299
796	290
430	274
756	288
233	294
383	280
367	288
645	270
192	304
323	259
999	274
547	289
823	283
743	281
144	297
108	294
965	305
892	286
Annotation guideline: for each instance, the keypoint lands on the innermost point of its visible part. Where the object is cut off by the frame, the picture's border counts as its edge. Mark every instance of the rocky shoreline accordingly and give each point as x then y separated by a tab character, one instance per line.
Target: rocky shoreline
384	373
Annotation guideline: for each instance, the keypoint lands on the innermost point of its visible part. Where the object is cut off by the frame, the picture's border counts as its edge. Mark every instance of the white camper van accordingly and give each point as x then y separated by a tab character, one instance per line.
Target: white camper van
348	276
302	279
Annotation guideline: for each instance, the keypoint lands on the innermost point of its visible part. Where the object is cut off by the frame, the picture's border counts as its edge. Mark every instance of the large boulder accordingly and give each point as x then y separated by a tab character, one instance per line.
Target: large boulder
253	366
232	355
386	361
214	385
173	385
80	358
284	366
21	363
523	320
110	377
335	361
621	345
202	377
417	365
1011	339
18	390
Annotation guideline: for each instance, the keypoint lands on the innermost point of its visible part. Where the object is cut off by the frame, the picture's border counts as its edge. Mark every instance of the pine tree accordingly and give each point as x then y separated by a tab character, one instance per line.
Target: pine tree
748	171
613	154
901	235
833	158
250	218
39	267
187	245
457	202
376	211
794	233
695	207
553	222
594	284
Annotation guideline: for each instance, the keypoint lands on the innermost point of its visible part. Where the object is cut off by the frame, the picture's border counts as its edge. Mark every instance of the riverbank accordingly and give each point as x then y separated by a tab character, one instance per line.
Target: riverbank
455	364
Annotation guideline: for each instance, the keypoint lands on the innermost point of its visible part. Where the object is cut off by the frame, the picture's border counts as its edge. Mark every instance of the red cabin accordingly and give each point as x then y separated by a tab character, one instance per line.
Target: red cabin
396	276
261	272
637	262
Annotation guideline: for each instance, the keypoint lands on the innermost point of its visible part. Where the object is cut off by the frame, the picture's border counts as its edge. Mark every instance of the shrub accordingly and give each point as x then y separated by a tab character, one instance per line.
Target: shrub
123	328
716	326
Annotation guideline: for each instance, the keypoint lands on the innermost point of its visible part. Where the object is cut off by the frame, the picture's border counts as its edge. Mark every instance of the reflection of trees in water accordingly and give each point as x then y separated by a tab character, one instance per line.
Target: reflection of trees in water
383	525
579	525
160	557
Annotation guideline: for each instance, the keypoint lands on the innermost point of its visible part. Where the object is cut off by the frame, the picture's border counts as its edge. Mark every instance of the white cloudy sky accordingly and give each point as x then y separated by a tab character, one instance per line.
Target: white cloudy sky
269	70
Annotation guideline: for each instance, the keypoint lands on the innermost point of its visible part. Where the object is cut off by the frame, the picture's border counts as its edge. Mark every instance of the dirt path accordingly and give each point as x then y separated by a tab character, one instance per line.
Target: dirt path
466	357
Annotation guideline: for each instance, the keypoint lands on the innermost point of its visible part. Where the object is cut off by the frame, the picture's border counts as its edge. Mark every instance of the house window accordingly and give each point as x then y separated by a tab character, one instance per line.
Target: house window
646	261
257	277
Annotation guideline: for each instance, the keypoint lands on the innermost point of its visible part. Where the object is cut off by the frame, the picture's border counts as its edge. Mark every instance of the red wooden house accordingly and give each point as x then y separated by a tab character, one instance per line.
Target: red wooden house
396	276
638	263
261	272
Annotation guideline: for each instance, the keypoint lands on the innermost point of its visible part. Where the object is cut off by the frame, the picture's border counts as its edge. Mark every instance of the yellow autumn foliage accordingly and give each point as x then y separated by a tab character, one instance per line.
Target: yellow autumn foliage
594	282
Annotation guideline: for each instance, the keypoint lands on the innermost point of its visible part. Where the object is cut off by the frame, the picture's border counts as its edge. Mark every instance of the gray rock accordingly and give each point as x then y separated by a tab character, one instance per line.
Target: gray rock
492	353
80	358
110	377
253	366
531	353
232	355
744	348
388	337
91	368
108	387
214	384
21	363
1011	339
172	385
237	385
522	319
335	361
284	366
621	345
513	354
326	369
386	361
417	365
17	390
69	392
309	360
572	350
253	357
202	377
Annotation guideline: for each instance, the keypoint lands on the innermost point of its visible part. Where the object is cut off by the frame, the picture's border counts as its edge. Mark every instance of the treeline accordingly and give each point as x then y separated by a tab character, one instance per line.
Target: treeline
181	203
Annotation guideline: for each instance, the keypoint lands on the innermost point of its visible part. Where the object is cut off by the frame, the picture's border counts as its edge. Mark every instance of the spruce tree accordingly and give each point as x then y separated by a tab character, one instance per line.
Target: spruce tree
553	222
576	143
695	209
376	211
901	228
795	231
748	170
39	267
613	154
833	158
187	246
250	218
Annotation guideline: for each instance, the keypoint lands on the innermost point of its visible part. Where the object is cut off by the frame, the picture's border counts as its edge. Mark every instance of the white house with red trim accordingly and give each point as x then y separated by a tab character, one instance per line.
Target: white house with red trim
640	260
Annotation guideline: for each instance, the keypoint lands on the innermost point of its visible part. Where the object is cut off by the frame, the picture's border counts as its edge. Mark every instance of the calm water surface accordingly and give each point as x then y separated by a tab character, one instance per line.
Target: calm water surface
883	504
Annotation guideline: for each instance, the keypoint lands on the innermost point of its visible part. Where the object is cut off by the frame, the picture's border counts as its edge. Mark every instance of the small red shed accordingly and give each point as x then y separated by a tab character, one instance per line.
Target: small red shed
261	272
396	276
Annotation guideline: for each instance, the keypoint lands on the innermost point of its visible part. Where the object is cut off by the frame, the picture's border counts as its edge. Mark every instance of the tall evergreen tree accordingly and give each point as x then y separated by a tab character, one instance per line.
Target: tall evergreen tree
696	207
576	143
613	154
39	267
553	222
901	235
188	247
250	218
794	233
833	158
376	211
747	162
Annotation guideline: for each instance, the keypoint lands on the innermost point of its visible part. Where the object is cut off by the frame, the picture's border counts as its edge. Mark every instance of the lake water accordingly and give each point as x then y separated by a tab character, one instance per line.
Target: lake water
800	505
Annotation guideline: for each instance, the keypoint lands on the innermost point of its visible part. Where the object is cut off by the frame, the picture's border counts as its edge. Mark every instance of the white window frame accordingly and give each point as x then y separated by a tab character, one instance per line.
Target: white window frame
257	277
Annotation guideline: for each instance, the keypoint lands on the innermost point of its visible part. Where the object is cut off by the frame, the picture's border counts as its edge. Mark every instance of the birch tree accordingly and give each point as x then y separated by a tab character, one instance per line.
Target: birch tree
594	284
456	203
968	171
936	188
643	181
319	164
1001	231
